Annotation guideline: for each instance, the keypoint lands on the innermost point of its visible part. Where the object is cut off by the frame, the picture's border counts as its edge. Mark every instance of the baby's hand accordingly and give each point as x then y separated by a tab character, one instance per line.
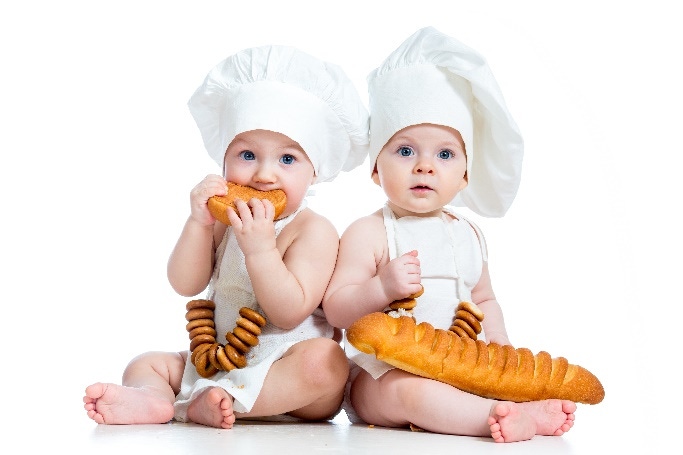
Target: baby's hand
212	185
253	225
401	277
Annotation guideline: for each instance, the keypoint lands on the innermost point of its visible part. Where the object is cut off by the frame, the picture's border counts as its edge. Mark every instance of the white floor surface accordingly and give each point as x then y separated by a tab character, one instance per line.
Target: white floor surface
45	422
587	437
301	438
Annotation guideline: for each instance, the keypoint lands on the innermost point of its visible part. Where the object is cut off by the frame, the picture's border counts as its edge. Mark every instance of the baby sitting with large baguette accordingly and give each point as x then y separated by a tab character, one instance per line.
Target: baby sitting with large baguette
440	136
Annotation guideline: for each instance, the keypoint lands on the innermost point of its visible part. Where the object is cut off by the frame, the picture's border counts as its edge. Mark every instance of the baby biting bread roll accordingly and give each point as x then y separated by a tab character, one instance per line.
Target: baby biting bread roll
218	205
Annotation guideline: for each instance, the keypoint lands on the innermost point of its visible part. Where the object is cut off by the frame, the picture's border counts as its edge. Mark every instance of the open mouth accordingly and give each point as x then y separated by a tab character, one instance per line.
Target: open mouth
421	188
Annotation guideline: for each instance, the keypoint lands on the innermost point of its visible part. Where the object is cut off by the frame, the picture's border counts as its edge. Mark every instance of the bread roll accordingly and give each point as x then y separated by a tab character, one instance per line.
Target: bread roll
488	370
218	205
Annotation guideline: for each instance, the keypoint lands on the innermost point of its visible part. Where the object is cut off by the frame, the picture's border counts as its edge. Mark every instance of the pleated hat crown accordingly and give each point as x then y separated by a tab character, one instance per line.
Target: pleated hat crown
282	89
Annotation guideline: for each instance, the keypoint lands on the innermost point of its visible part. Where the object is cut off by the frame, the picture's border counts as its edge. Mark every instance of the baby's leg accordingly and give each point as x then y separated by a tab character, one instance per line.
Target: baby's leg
213	408
398	398
510	422
150	384
307	382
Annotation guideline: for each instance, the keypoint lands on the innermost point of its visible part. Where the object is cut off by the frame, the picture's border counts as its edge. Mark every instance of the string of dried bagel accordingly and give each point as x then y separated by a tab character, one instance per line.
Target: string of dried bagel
466	322
208	356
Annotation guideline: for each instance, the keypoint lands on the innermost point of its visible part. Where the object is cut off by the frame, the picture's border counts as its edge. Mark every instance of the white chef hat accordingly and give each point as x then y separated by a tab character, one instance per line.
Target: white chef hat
433	78
281	89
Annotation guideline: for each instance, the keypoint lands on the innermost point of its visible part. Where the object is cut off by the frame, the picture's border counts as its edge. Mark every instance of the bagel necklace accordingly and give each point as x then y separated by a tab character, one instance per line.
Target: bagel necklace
208	356
466	322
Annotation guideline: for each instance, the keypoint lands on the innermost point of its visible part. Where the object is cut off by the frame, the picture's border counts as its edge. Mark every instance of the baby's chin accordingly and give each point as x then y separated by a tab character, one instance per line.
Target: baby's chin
419	208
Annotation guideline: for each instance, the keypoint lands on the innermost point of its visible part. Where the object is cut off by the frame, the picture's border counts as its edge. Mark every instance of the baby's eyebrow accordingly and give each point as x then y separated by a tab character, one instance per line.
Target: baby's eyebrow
239	143
402	139
293	149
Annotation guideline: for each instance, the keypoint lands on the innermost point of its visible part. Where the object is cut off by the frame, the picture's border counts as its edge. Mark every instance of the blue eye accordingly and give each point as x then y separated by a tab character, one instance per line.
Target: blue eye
287	159
445	154
248	155
405	151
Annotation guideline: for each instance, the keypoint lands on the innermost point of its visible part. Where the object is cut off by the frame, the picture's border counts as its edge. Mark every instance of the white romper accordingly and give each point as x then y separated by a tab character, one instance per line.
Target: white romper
451	253
230	289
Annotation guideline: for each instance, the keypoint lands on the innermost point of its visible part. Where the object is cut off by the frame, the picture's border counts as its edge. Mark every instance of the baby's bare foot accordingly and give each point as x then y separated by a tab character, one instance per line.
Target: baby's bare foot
213	408
510	422
115	404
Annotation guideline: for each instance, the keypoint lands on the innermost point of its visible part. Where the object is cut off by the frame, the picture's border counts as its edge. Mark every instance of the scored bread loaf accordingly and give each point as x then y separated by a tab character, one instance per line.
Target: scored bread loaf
218	205
488	370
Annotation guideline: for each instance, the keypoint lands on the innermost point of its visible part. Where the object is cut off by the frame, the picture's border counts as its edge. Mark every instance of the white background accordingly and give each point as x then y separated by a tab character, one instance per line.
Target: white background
99	154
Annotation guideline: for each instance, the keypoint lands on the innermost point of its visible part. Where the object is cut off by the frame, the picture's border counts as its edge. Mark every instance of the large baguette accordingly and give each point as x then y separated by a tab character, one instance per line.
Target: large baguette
488	370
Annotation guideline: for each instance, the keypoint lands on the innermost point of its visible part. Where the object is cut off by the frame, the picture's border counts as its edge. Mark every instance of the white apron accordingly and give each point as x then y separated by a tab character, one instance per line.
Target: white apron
451	254
230	289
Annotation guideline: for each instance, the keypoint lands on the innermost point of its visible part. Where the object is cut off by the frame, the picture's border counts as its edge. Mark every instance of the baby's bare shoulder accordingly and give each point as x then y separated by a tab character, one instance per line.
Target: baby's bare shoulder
310	225
369	224
313	220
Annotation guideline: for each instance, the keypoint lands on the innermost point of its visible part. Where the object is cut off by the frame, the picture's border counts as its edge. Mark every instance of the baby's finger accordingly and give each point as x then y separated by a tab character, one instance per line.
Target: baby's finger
234	219
210	186
243	210
413	269
410	258
270	209
262	209
257	209
213	179
220	188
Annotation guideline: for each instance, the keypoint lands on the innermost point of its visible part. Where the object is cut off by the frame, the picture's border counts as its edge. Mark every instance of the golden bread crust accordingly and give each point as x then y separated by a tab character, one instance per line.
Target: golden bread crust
218	205
489	370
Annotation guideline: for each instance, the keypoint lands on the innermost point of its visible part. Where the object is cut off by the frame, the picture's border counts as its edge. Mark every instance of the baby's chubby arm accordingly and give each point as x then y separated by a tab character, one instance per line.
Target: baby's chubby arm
289	276
485	299
364	281
191	262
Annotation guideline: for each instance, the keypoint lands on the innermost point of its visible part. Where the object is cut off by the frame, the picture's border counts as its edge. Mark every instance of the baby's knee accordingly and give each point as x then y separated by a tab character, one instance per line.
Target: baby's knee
324	364
169	365
404	389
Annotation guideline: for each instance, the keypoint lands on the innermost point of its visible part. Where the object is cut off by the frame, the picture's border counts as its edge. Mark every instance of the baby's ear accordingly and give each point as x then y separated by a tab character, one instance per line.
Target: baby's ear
375	177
